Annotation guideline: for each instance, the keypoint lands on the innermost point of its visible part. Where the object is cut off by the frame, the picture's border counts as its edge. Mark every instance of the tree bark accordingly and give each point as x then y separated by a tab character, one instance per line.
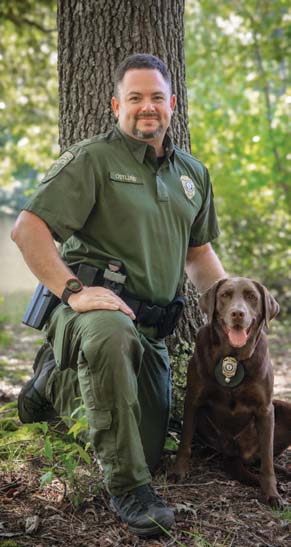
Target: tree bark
94	37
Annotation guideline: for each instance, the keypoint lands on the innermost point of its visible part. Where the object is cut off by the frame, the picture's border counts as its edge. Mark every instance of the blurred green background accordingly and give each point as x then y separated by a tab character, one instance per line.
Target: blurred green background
237	81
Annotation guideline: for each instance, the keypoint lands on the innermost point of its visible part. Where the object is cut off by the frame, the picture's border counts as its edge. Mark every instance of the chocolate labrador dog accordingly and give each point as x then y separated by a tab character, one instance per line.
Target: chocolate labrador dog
230	384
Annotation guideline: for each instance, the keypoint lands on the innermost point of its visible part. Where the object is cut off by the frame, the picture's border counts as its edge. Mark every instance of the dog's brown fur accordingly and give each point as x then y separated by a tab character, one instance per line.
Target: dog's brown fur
239	422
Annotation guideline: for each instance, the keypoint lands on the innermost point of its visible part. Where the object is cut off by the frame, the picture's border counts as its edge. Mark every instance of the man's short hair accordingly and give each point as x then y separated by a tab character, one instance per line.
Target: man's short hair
139	61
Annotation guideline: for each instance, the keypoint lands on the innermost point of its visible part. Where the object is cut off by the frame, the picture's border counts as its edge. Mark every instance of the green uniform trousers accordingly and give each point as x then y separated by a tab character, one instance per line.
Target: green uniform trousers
122	373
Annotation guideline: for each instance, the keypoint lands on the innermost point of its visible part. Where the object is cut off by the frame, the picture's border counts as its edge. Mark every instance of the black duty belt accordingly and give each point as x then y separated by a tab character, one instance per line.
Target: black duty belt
147	313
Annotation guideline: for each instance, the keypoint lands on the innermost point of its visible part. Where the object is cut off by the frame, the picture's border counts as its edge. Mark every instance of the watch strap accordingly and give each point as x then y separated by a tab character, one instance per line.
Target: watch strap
65	296
67	292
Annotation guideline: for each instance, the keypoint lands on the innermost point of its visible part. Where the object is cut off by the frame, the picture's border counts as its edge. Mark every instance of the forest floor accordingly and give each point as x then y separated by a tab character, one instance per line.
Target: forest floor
210	509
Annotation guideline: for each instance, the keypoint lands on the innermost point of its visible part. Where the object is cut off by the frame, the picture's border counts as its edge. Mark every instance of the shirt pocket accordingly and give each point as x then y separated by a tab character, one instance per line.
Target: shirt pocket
125	178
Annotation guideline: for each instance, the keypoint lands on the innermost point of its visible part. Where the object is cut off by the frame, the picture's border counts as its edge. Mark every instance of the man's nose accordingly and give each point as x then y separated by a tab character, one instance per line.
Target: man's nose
148	106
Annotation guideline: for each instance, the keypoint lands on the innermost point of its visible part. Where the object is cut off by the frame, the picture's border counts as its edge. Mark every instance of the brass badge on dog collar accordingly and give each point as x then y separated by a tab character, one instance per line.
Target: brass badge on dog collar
229	368
229	372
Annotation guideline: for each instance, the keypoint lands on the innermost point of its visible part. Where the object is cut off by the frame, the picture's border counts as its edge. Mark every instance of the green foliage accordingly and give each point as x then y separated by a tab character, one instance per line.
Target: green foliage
236	58
57	454
28	96
171	444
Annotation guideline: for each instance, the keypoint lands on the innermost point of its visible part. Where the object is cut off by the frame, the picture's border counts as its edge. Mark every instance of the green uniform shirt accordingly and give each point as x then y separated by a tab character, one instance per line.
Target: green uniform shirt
107	197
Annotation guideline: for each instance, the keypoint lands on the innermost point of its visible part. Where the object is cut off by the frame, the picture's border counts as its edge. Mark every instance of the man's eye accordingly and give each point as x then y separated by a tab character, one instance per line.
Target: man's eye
134	99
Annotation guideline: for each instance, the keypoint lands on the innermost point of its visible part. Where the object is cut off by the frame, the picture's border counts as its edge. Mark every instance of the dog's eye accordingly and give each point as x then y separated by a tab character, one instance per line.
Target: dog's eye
225	294
252	296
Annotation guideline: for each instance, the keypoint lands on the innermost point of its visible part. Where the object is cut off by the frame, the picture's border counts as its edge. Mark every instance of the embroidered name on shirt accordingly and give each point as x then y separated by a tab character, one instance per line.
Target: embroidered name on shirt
124	178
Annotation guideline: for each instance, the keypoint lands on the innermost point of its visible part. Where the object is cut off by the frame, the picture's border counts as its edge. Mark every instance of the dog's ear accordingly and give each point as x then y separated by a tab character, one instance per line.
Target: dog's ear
207	300
271	307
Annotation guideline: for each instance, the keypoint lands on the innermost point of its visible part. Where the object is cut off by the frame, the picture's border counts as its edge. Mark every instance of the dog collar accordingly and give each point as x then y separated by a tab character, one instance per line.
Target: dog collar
229	372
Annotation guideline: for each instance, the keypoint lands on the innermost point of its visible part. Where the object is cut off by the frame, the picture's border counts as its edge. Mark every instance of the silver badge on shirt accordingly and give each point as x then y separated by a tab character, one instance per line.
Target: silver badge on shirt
188	186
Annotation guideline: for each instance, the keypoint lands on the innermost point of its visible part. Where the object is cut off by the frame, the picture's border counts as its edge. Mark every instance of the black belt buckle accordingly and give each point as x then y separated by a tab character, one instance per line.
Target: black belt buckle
149	316
113	278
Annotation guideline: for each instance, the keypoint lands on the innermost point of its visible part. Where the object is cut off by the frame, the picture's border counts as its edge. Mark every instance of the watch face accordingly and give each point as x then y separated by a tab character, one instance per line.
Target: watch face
74	285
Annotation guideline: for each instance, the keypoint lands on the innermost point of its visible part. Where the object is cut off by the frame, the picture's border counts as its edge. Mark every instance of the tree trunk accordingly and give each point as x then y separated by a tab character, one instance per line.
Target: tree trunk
94	37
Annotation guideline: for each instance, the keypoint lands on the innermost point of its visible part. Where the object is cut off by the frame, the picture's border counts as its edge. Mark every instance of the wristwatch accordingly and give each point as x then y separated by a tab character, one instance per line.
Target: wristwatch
73	286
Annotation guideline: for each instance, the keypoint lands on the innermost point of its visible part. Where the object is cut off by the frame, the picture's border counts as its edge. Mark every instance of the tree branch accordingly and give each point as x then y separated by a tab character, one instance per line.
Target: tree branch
24	20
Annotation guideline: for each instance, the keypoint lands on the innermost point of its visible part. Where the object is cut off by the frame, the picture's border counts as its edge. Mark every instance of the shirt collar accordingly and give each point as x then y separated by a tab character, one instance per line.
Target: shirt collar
139	149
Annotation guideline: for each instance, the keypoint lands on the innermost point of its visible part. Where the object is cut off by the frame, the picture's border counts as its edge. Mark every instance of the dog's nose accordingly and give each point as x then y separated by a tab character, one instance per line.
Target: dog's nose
237	314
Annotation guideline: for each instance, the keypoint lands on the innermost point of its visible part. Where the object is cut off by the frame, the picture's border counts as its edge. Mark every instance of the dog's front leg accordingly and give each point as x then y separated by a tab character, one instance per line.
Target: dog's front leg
265	428
181	465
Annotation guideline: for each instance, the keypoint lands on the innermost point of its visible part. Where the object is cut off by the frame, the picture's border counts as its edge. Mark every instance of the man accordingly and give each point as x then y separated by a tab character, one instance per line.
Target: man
136	209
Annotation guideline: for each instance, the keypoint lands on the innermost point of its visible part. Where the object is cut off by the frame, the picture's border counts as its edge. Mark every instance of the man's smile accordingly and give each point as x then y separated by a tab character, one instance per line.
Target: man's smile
147	117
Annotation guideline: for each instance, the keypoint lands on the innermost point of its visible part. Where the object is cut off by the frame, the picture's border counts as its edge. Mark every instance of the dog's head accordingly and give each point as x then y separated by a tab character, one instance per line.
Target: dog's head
240	306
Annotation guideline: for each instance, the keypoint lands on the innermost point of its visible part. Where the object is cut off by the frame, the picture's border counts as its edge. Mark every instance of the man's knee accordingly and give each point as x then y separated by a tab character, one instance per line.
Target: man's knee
109	333
110	356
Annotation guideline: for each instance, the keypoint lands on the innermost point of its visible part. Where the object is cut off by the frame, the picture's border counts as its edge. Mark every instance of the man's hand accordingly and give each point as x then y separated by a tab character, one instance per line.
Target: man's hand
98	298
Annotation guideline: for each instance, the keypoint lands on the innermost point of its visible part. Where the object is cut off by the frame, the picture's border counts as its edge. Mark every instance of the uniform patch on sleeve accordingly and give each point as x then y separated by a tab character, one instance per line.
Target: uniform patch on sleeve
58	165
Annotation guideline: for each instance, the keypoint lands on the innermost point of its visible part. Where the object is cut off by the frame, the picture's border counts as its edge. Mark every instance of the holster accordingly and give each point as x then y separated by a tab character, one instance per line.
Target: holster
167	324
40	307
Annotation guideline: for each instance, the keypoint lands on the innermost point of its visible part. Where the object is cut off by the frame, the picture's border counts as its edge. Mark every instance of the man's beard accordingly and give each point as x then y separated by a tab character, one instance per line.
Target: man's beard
146	134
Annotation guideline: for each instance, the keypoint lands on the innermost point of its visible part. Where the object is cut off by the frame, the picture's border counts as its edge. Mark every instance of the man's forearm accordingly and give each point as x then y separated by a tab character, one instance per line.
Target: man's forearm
203	267
36	243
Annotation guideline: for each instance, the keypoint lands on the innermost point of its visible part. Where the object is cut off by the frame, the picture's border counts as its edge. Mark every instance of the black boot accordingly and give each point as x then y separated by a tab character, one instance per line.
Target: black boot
32	403
144	512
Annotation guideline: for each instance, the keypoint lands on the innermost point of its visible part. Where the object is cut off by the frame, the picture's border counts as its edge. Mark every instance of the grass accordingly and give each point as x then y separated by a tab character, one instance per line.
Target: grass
199	540
284	515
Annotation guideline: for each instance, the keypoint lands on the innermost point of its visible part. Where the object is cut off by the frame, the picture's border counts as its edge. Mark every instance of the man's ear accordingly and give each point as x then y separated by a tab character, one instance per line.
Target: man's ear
115	106
173	102
207	301
271	307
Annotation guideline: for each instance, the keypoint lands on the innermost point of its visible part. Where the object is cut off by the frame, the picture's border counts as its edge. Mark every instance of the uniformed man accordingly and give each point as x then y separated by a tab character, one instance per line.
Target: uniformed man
132	211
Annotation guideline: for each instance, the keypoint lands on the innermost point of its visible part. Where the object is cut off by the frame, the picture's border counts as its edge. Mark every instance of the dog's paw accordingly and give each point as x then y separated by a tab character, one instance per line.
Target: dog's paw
276	502
178	472
174	476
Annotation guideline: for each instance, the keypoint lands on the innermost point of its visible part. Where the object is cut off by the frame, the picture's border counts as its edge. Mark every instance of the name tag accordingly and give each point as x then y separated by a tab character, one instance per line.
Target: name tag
125	177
